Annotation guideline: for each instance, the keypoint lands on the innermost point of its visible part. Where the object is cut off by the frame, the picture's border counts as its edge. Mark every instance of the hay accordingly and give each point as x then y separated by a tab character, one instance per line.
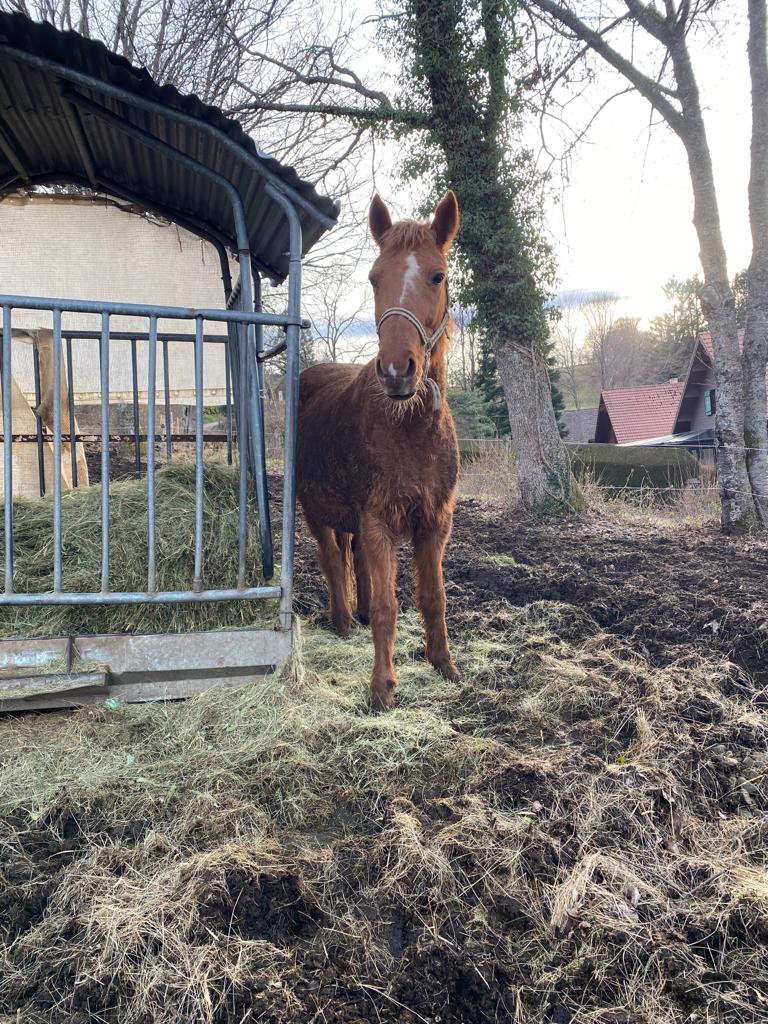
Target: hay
81	555
569	835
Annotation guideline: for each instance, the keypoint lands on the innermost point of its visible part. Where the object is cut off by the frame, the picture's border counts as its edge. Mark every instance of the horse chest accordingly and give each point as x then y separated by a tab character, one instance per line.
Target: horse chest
410	492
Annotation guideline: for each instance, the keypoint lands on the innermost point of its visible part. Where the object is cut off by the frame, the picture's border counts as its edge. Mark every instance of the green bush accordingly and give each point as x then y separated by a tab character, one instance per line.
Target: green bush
614	466
470	413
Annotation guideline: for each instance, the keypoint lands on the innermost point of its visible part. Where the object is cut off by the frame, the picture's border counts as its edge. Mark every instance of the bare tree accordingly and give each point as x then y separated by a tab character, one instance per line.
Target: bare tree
463	357
339	333
599	311
648	46
569	347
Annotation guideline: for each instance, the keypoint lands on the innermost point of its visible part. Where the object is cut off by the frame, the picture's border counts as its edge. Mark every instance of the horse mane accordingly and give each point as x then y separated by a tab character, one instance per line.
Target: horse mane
408	234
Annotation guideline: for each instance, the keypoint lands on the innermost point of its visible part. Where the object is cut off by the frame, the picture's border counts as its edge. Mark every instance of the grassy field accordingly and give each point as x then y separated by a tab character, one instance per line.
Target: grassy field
575	833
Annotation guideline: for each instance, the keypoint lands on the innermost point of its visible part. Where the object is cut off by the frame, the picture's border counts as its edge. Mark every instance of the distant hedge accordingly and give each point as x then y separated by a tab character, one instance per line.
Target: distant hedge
609	464
614	466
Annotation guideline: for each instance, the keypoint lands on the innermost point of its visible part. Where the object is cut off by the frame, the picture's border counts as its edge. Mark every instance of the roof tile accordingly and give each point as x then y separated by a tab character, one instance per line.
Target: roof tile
639	413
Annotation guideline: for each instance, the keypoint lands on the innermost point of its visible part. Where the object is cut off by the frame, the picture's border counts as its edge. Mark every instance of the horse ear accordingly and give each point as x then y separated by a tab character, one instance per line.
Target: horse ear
379	219
445	221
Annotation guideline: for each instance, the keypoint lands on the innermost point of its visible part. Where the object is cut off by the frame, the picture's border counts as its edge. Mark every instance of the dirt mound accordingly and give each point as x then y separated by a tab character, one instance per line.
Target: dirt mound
576	832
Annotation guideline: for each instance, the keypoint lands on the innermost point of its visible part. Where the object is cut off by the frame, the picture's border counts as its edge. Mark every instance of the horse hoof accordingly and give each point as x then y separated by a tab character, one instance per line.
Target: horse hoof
342	625
383	696
447	669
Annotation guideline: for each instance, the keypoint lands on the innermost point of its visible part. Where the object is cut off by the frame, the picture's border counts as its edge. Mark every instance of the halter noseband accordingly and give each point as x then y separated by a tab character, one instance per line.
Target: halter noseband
428	341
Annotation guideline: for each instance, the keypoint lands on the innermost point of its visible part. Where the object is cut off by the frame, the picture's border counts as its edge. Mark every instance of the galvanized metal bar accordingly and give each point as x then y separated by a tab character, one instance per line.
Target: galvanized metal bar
242	451
135	382
167	397
7	450
291	413
231	341
256	431
115	438
198	580
132	99
228	402
71	405
145	310
139	597
38	423
151	391
104	362
219	339
56	470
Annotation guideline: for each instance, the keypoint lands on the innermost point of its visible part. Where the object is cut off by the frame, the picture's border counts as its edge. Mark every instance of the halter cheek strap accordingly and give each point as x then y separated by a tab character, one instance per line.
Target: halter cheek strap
428	340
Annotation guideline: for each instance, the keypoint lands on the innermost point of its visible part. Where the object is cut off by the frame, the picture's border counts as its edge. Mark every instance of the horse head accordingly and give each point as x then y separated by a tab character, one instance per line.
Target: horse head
410	285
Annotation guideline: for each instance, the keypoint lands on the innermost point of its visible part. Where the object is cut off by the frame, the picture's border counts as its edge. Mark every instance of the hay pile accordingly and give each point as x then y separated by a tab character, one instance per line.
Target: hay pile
568	836
81	555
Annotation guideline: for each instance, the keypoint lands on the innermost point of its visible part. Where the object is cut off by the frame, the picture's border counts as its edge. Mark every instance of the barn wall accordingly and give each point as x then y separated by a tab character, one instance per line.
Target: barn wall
92	249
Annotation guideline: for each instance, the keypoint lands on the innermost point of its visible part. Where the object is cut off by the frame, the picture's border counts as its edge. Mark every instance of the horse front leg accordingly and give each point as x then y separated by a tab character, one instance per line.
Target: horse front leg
379	563
428	550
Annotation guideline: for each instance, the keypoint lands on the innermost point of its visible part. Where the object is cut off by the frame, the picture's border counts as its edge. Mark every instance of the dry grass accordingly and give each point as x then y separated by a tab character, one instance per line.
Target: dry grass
569	835
491	476
81	555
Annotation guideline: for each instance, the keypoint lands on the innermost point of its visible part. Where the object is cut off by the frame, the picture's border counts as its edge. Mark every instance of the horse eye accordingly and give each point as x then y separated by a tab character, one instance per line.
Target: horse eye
374	283
438	278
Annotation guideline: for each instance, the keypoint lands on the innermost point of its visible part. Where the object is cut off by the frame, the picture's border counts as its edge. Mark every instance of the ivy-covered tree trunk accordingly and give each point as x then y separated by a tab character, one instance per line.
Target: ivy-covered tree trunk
493	241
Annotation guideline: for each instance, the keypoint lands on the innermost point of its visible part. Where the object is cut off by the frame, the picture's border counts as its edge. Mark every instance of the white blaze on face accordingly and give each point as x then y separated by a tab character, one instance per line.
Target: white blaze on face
411	275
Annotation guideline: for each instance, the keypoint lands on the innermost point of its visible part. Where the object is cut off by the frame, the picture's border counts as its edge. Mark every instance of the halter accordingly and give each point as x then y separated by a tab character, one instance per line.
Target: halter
428	341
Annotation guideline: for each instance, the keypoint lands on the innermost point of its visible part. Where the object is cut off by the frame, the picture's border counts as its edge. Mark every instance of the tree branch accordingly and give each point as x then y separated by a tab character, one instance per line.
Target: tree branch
646	86
394	115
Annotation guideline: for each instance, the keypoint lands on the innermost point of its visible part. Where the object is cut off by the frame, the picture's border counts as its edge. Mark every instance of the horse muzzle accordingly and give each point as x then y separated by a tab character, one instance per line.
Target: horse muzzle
398	383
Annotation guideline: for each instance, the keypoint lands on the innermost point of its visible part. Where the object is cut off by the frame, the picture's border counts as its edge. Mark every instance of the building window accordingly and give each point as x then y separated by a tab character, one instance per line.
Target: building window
709	402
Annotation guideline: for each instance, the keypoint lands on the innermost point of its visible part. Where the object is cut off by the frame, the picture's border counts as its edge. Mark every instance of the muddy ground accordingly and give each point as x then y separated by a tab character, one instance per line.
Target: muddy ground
669	592
574	834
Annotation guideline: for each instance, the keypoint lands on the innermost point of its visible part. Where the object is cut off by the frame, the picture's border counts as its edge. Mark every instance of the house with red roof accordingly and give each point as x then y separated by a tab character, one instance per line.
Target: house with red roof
678	412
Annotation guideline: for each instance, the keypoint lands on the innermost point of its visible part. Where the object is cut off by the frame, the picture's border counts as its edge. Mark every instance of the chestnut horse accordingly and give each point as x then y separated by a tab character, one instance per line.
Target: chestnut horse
377	454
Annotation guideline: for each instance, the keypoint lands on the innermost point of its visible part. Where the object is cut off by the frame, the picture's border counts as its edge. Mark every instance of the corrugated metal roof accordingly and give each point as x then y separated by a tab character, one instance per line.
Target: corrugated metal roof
39	143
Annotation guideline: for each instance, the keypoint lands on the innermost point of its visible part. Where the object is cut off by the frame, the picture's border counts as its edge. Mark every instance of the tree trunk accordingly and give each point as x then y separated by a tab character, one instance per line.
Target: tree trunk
756	335
717	303
541	458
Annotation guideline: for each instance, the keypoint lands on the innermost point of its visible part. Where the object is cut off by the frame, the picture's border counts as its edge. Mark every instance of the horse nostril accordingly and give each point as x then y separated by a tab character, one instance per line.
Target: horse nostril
379	368
410	369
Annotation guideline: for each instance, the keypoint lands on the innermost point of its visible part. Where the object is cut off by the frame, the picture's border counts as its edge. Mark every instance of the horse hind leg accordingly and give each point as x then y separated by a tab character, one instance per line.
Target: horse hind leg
362	582
333	554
